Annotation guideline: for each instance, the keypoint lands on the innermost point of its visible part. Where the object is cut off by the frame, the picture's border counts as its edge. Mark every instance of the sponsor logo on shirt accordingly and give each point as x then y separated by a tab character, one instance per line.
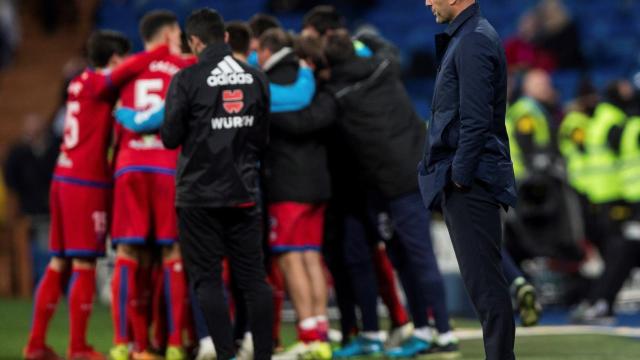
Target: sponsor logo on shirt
232	101
229	72
231	122
147	142
164	66
75	87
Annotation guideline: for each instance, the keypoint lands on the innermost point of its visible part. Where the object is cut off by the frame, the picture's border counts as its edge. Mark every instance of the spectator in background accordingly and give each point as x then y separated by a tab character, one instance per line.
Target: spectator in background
350	6
559	35
537	85
622	94
586	100
28	171
522	51
54	13
5	243
9	36
29	166
529	123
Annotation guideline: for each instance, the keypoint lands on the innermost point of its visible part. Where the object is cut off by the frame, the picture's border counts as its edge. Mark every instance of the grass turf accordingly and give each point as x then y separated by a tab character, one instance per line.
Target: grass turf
15	316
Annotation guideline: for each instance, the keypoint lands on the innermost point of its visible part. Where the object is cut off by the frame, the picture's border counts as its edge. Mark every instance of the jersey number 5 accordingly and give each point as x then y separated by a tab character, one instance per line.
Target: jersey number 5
146	94
72	125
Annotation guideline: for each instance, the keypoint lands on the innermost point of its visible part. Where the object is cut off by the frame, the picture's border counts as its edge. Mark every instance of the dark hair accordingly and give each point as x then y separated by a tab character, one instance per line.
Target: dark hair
207	25
184	43
103	44
275	40
323	18
311	49
239	36
154	21
338	48
259	23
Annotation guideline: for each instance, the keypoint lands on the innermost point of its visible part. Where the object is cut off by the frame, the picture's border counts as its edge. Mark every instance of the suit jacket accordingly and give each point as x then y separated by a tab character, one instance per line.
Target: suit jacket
467	142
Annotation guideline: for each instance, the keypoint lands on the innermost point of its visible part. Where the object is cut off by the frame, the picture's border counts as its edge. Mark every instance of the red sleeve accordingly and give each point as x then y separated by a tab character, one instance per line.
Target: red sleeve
130	68
190	60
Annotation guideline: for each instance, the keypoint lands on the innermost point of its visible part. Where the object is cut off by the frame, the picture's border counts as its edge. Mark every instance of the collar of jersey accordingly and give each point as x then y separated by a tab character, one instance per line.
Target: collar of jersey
214	51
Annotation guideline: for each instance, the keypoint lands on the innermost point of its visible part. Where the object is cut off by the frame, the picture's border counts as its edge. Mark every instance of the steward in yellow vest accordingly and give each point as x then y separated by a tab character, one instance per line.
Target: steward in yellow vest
601	178
629	173
571	142
529	134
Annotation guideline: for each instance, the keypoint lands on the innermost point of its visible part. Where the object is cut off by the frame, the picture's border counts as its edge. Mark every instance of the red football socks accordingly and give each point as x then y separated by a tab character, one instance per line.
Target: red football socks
123	295
323	327
175	288
81	292
387	288
308	330
46	299
159	315
140	313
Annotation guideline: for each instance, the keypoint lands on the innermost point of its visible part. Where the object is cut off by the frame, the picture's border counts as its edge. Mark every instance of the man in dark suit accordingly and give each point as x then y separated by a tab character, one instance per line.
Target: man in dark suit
467	167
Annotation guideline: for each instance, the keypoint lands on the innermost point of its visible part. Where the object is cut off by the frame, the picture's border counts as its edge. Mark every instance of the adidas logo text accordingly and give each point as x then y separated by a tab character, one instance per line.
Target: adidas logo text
229	72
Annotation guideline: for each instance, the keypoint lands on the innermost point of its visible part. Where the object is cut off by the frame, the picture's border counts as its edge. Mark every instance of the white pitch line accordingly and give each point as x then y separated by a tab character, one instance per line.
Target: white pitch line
472	334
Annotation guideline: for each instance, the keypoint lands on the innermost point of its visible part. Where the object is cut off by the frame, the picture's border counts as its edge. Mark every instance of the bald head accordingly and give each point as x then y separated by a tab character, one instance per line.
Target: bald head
537	84
447	10
34	126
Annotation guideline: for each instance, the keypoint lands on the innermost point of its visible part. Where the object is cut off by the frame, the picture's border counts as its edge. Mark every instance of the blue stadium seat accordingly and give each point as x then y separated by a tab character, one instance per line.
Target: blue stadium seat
566	82
609	28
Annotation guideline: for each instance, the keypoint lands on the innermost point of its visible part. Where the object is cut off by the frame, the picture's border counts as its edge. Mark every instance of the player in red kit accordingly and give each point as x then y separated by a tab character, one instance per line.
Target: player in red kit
144	211
81	194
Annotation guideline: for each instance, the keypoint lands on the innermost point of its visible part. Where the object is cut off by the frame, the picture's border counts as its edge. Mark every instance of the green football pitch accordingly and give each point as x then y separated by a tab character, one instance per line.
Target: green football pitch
15	317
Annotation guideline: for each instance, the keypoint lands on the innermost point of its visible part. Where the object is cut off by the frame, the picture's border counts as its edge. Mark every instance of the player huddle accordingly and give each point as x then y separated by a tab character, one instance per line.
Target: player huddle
112	180
116	177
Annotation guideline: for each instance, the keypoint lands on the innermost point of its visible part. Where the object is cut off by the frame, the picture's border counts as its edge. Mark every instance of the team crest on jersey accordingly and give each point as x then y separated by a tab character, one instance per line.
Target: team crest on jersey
74	88
229	72
232	101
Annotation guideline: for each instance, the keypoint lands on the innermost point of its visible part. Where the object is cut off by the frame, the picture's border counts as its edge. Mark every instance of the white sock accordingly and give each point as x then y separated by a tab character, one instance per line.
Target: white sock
446	338
372	335
308	323
206	345
322	318
424	333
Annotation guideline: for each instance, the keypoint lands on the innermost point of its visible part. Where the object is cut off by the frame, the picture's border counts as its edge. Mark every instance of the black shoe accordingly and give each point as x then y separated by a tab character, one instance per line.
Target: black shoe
450	350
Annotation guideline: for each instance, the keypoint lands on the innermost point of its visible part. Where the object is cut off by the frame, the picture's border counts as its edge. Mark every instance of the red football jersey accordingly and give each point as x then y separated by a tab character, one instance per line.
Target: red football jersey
88	122
145	152
87	130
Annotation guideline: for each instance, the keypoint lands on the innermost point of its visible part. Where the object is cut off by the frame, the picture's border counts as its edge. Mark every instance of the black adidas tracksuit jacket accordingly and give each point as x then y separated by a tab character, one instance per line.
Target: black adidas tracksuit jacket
217	111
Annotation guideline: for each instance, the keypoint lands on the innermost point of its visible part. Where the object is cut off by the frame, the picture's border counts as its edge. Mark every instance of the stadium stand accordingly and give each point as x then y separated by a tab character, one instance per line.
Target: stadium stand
610	27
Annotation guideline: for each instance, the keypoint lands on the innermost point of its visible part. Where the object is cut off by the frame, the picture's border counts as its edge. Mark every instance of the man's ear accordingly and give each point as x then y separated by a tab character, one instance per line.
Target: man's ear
166	36
226	37
193	42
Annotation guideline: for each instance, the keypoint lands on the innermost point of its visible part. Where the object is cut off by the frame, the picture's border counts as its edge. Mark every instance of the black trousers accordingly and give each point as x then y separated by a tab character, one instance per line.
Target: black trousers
473	220
622	257
207	235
